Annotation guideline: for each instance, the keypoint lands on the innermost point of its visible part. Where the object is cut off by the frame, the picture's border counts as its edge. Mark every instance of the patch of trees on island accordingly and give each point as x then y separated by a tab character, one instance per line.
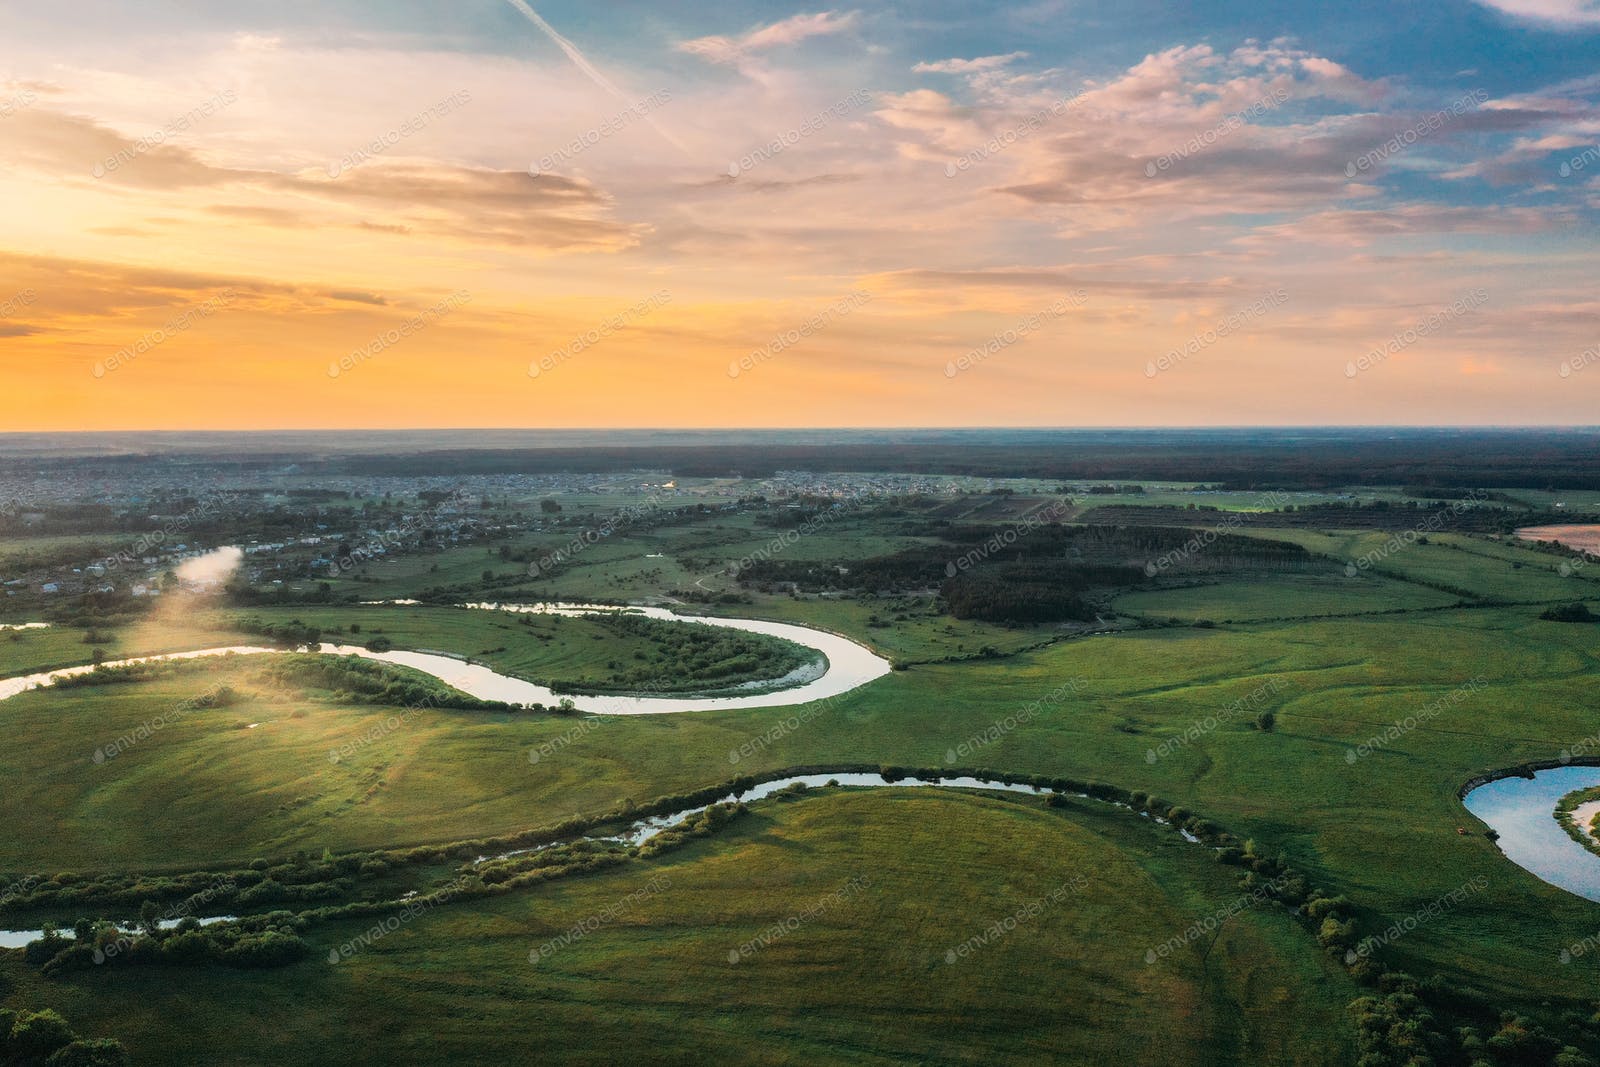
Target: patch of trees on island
680	657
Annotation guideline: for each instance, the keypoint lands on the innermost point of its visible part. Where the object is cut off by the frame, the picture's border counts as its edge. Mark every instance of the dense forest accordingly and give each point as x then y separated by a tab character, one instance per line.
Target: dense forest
1299	458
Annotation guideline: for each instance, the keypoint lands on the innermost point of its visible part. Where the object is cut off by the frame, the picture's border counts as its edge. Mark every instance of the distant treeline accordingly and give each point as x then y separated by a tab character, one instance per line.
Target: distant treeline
1441	516
1301	459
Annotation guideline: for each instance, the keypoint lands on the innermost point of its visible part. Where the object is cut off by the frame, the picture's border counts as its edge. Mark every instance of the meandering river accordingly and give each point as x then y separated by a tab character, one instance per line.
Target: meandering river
849	665
1523	812
645	829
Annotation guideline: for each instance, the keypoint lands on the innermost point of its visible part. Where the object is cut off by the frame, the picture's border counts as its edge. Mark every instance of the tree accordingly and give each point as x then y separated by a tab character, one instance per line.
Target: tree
1266	721
36	1035
549	507
150	917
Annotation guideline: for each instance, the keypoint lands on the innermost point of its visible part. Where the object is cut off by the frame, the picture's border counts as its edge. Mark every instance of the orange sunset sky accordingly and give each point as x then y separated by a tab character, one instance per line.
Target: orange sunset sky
361	215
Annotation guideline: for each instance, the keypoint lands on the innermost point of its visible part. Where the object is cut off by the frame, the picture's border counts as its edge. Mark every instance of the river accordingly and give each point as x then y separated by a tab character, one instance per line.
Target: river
1523	812
849	665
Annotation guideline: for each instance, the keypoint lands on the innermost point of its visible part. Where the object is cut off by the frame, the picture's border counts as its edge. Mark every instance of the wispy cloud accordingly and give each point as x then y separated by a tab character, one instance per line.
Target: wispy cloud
1563	13
741	51
968	66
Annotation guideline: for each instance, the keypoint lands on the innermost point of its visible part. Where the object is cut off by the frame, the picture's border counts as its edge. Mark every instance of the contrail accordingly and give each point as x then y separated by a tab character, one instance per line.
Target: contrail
580	61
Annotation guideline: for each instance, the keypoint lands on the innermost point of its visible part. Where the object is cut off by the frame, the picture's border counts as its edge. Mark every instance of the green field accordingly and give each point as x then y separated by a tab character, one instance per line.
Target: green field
865	876
1452	624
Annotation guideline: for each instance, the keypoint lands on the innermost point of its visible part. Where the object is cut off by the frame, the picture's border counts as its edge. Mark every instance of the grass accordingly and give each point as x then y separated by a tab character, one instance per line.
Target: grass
1281	596
651	980
31	651
1381	827
203	790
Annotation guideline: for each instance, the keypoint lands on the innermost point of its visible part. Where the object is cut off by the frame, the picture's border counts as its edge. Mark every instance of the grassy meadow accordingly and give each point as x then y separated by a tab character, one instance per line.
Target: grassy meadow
1447	633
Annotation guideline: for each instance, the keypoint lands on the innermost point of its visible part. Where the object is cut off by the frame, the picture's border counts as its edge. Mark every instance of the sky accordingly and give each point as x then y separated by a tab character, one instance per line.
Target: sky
561	213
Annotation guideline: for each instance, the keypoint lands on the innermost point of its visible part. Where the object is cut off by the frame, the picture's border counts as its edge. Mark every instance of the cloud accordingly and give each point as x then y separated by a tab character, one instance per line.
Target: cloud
475	204
1567	14
1032	284
968	66
1361	227
358	298
740	51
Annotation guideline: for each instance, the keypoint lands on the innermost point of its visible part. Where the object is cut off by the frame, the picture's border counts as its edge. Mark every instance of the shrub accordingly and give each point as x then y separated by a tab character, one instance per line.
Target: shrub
99	1052
36	1035
1577	612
